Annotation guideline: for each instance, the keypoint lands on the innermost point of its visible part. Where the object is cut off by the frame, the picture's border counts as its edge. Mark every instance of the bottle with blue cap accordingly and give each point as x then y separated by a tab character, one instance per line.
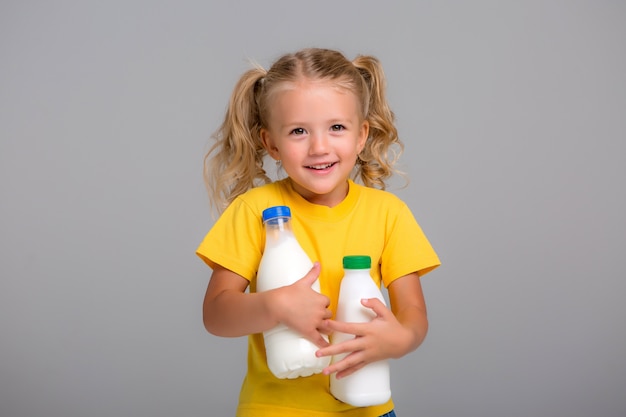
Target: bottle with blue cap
289	355
370	385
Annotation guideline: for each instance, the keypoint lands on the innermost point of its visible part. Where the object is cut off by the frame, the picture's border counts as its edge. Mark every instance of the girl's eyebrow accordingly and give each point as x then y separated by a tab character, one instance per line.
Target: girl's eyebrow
343	122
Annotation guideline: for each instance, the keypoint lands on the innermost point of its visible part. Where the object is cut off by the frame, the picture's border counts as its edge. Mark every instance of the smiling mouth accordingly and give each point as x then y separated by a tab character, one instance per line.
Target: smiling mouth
321	166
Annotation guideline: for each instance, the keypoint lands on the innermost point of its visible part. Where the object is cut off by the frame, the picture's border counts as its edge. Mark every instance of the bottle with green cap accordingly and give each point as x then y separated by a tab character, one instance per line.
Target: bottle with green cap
369	385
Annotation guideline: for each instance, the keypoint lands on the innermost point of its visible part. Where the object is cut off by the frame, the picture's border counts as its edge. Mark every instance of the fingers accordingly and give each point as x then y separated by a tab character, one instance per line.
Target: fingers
349	370
318	336
352	344
309	279
367	344
352	362
345	367
321	341
376	305
308	309
312	275
343	327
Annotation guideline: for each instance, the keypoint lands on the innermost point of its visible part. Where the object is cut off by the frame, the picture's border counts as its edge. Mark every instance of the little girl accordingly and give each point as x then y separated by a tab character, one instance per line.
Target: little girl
326	122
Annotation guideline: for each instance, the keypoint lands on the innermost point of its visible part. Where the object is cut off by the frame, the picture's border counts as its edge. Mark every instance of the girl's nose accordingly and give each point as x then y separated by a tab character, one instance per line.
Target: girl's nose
319	144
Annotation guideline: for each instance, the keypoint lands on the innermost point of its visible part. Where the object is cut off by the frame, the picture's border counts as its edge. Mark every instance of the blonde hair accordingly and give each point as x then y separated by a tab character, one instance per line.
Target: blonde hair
234	163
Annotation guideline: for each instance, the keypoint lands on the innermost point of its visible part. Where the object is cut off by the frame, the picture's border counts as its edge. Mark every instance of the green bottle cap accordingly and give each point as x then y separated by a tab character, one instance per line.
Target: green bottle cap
357	262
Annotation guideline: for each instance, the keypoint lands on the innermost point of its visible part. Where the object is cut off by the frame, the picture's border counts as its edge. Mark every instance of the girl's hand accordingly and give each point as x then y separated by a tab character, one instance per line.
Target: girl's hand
391	334
303	309
382	338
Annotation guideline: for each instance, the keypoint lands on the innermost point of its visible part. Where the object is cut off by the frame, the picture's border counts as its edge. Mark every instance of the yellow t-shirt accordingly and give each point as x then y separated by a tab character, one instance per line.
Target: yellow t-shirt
368	222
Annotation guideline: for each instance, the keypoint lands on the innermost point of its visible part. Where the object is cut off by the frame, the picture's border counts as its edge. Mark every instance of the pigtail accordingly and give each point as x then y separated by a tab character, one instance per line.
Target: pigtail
234	163
383	147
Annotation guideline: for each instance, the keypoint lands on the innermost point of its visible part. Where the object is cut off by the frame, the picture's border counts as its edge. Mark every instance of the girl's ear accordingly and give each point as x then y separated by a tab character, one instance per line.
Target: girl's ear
268	144
363	134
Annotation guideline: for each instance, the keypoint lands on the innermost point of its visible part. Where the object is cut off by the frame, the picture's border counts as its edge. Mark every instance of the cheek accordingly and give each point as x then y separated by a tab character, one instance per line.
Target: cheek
289	151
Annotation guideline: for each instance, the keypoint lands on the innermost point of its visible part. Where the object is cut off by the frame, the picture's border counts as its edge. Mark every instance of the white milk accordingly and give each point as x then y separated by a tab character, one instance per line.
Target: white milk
289	355
369	385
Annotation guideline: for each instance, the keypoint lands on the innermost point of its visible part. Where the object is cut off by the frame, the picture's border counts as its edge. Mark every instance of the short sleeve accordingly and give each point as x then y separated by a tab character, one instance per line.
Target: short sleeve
407	249
235	241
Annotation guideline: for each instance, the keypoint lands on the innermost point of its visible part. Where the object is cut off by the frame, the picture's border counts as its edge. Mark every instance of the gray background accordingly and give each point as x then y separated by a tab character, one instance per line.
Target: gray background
514	119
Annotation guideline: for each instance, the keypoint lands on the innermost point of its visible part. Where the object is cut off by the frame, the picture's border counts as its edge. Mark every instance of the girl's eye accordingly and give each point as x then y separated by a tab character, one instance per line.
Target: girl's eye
337	128
297	131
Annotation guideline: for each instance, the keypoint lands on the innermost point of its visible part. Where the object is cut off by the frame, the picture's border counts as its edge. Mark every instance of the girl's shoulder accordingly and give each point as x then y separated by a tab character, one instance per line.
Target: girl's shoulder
263	196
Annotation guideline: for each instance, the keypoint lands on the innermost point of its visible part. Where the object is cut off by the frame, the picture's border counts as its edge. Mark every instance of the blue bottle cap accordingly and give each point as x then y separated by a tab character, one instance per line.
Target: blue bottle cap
276	211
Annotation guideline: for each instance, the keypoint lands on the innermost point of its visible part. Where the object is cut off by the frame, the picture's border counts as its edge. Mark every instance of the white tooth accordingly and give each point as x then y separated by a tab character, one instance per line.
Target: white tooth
320	166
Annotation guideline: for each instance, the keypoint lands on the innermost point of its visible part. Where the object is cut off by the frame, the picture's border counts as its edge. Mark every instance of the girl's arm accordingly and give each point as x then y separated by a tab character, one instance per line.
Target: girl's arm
409	307
230	312
392	334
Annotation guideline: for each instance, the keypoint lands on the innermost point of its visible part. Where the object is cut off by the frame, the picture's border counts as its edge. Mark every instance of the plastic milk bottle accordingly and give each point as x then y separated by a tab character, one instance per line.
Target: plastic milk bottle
289	355
369	385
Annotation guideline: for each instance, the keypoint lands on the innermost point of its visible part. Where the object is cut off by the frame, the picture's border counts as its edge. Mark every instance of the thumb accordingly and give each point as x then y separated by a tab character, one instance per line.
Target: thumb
312	275
376	305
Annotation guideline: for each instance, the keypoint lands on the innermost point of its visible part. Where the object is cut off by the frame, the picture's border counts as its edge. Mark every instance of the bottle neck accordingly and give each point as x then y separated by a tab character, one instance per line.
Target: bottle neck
277	230
357	270
279	224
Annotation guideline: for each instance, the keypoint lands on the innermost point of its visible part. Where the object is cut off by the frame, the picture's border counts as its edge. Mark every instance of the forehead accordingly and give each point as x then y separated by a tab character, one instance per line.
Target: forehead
301	91
303	83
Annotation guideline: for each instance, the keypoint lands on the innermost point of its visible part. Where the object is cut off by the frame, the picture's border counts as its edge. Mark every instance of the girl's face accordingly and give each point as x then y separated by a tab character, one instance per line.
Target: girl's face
316	131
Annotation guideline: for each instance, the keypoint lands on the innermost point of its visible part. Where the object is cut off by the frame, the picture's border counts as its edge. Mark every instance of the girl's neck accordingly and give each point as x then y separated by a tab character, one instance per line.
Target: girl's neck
321	200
